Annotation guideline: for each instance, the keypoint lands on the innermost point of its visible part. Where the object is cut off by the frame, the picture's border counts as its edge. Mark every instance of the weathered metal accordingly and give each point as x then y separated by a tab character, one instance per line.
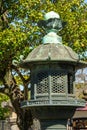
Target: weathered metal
51	53
52	68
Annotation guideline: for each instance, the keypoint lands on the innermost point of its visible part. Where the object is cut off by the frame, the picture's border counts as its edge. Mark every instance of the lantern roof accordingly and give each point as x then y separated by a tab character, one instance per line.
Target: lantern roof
52	53
52	49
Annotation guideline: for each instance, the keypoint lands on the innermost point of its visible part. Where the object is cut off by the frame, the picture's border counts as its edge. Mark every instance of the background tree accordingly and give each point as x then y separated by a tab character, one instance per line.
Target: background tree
19	34
4	112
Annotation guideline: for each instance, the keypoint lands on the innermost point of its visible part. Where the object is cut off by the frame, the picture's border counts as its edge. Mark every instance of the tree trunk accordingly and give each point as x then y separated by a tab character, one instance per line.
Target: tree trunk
24	117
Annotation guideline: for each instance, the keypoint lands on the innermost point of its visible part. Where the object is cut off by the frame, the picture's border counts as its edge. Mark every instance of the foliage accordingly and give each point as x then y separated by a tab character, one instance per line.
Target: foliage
3	111
19	29
19	34
79	88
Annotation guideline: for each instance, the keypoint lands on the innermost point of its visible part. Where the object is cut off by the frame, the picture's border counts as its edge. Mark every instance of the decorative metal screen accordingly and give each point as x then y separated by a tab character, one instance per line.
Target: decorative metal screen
58	82
42	83
54	81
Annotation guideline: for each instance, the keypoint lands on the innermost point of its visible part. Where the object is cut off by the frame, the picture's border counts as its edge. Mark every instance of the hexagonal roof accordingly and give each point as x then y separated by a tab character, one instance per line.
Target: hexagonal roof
52	53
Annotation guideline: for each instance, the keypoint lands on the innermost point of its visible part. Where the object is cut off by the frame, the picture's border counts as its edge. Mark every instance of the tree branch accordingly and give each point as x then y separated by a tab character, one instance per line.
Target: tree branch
25	82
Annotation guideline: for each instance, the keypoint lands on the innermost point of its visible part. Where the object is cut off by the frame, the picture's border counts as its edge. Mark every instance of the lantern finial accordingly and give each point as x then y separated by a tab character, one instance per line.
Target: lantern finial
52	24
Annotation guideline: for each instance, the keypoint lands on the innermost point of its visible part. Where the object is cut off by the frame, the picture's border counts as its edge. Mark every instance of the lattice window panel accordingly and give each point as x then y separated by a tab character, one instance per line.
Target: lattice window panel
42	83
58	82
